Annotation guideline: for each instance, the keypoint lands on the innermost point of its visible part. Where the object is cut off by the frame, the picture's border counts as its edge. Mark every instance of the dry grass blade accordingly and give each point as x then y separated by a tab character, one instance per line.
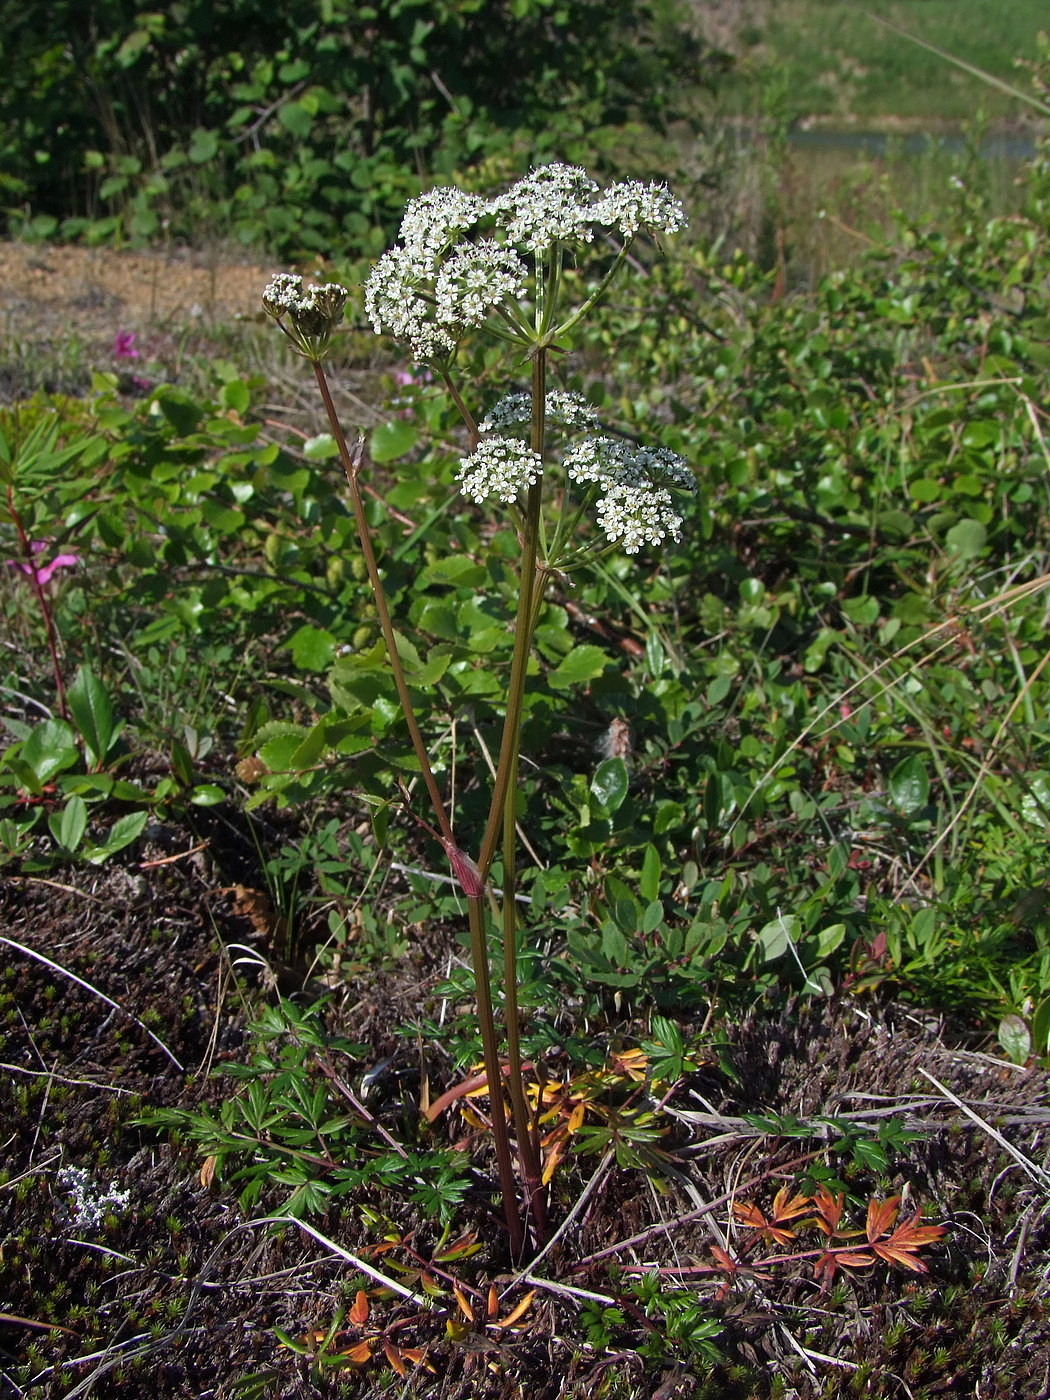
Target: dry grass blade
1037	1173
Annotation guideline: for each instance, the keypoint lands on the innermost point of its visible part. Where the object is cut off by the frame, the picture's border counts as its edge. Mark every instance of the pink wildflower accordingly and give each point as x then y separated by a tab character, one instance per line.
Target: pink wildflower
124	346
44	571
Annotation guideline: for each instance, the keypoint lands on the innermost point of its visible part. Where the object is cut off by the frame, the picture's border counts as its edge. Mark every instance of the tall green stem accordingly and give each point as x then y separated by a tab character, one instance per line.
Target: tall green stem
462	868
351	465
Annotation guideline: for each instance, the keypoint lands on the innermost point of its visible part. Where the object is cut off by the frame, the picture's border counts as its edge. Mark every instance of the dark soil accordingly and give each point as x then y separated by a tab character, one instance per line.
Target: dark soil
176	1296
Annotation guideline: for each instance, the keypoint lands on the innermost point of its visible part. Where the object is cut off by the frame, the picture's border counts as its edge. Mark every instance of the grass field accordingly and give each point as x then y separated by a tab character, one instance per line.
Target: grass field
839	61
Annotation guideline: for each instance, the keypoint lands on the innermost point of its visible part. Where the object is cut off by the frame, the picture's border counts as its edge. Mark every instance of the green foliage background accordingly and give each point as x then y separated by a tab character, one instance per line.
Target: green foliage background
305	127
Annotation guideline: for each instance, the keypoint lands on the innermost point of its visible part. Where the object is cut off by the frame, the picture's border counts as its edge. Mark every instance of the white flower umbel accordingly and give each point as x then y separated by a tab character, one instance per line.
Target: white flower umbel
550	205
397	300
631	206
466	262
475	278
564	408
431	221
499	469
634	483
88	1203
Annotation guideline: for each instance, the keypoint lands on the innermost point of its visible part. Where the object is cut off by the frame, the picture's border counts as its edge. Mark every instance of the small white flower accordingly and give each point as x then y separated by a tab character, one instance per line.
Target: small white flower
474	278
549	205
499	468
88	1204
635	505
567	409
629	206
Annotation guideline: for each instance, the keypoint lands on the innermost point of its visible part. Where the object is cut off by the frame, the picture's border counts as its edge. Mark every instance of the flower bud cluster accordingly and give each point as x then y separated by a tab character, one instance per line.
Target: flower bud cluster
566	409
308	316
462	258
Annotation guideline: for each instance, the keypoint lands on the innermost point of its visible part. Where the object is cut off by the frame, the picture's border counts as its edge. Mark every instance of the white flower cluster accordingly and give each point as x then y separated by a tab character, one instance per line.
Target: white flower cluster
634	506
499	468
88	1204
460	256
565	408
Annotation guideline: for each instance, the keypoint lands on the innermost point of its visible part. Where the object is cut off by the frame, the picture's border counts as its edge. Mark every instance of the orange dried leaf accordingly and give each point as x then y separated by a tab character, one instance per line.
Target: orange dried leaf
464	1305
360	1354
518	1312
394	1357
576	1118
881	1216
418	1357
208	1171
492	1307
829	1209
749	1214
854	1258
788	1207
359	1312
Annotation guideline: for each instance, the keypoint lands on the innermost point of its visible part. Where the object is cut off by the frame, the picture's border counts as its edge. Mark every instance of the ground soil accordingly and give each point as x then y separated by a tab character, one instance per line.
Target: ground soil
177	1295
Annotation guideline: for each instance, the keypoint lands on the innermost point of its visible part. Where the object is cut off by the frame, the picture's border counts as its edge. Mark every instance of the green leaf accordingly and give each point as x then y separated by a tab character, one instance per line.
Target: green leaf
69	825
393	440
93	714
312	648
649	885
909	786
123	831
828	939
582	664
967	538
777	936
50	749
1014	1037
320	448
204	146
610	783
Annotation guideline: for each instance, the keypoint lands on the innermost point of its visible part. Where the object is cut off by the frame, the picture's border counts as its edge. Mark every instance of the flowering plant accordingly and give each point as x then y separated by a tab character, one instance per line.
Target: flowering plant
501	267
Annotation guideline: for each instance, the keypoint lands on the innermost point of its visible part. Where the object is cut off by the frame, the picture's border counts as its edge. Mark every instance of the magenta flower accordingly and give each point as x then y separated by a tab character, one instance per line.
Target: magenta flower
124	346
43	572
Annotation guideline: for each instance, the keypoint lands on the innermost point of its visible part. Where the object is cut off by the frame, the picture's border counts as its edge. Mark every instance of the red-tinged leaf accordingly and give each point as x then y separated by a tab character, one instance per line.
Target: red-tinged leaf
854	1259
901	1257
908	1237
462	1247
394	1357
825	1269
723	1260
359	1312
492	1306
881	1217
829	1210
464	1305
